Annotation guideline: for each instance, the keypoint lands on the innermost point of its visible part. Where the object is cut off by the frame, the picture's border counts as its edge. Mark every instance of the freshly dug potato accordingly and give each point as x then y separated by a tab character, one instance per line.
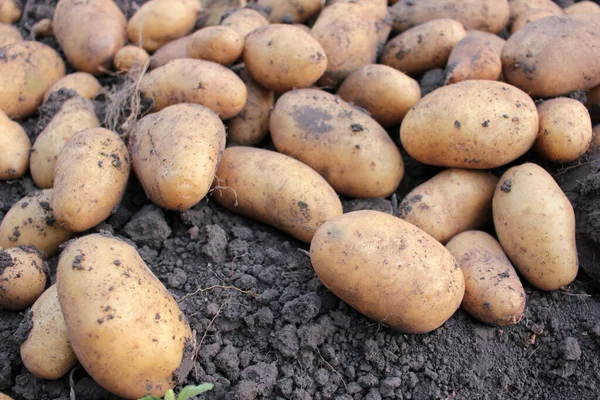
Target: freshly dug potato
583	7
43	28
31	222
89	178
520	7
275	189
14	149
175	154
386	93
545	57
499	125
90	32
10	11
493	292
215	10
388	270
195	81
244	21
169	52
2	395
47	352
28	70
530	16
593	103
535	224
219	44
595	144
86	85
125	327
476	56
22	277
9	34
453	201
350	149
131	57
289	12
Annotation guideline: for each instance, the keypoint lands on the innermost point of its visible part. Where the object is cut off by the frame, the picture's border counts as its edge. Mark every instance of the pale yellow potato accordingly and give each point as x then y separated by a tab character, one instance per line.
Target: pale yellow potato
9	34
530	16
2	395
43	28
289	11
169	52
520	7
595	144
219	44
86	85
215	10
583	7
131	58
10	11
476	56
22	277
14	149
244	21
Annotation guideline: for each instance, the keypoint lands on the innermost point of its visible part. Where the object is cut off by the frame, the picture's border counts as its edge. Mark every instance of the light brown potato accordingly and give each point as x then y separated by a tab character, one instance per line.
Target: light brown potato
2	395
89	178
520	7
275	189
86	85
530	16
47	352
595	144
9	34
171	51
289	11
125	327
10	11
14	149
388	269
244	21
43	28
29	69
499	125
90	33
350	149
583	7
215	10
22	277
535	224
219	44
453	201
476	56
131	58
195	81
493	292
31	222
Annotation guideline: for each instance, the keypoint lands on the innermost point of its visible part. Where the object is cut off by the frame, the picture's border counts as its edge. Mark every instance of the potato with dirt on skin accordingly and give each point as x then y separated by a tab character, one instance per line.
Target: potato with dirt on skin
219	44
476	56
171	51
244	21
10	11
520	7
289	11
215	10
9	34
595	144
493	292
125	328
583	7
86	85
14	149
130	58
530	16
22	277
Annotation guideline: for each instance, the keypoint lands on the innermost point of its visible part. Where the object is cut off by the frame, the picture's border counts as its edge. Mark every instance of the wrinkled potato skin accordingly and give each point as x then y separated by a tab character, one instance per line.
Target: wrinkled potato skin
347	147
520	7
86	85
289	11
493	292
125	327
245	21
131	57
89	178
530	16
500	125
9	34
542	248
583	7
23	278
388	270
275	189
453	201
14	149
476	56
10	11
171	51
219	44
47	352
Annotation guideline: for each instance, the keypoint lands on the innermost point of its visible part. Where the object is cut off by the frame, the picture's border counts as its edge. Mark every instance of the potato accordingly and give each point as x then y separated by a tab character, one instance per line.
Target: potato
520	7
244	21
169	52
220	44
583	7
157	22
9	35
499	125
22	277
476	56
354	153
215	10
10	11
493	292
89	178
90	33
174	160
195	81
388	270
43	28
535	224
289	12
275	189
47	352
86	85
595	144
535	61
387	94
530	16
131	58
28	70
593	103
2	395
14	149
125	327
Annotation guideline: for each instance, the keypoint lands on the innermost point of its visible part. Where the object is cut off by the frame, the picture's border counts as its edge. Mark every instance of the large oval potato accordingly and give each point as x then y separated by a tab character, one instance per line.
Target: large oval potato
10	11
14	149
520	7
499	125
583	7
22	277
275	189
125	327
476	56
244	21
493	292
130	58
219	44
535	224
86	85
352	151
9	34
388	269
171	51
289	12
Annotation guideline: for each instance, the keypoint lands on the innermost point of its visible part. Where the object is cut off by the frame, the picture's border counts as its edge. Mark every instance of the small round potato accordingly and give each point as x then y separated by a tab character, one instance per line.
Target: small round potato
244	21
86	85
476	56
520	7
9	34
10	11
530	16
22	277
583	7
131	58
171	51
14	149
288	12
220	44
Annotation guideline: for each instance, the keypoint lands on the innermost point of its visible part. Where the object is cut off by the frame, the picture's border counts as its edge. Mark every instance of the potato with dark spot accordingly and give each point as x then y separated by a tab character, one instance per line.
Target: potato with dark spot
22	277
14	149
476	56
219	44
10	11
244	21
131	58
530	16
583	7
9	34
86	85
289	11
171	51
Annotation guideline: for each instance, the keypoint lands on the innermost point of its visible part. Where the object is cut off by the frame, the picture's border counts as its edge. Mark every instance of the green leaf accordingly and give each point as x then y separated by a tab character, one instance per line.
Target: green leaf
170	395
190	391
149	398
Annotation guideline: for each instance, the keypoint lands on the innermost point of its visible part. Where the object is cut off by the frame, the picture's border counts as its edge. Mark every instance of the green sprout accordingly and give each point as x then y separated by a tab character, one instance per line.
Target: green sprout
186	393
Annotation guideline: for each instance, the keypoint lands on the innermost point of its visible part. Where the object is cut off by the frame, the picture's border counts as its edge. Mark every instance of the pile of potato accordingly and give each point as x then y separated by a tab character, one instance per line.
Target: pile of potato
335	88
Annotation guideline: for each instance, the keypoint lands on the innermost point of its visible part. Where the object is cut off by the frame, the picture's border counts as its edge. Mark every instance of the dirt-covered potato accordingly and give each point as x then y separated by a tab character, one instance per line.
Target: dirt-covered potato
10	11
276	190
42	28
131	58
476	56
215	10
31	222
388	269
9	34
244	21
493	292
175	154
350	149
520	7
583	7
289	12
14	149
75	115
171	51
86	85
125	327
90	33
386	93
471	124
22	277
530	16
195	81
535	224
47	352
27	70
219	44
89	178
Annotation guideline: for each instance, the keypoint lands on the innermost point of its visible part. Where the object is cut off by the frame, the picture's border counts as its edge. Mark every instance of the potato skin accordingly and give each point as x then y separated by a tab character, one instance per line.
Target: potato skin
543	249
10	11
530	16
583	7
347	147
493	292
125	327
22	277
244	21
9	34
131	57
171	51
14	149
499	126
388	269
476	56
219	44
288	12
86	85
520	7
275	189
595	144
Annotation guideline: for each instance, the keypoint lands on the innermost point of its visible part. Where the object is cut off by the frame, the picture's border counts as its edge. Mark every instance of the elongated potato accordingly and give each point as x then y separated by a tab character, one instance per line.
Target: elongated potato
220	44
9	35
476	56
244	21
493	292
275	189
289	12
352	151
86	85
131	58
535	224
171	51
583	7
520	7
530	16
14	149
22	277
10	11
